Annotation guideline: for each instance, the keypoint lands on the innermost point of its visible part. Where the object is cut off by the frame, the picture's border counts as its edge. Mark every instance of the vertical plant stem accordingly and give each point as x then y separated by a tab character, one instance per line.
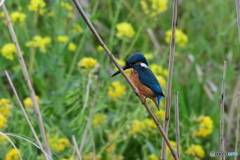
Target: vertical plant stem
177	124
25	115
76	148
238	17
91	110
237	128
170	72
113	59
222	112
26	76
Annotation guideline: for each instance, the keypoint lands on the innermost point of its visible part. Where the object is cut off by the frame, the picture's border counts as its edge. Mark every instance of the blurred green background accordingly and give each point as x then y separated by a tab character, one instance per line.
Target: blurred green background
60	52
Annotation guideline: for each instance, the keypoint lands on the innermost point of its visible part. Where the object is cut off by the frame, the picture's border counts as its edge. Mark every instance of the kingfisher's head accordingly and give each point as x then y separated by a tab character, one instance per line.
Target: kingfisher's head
134	59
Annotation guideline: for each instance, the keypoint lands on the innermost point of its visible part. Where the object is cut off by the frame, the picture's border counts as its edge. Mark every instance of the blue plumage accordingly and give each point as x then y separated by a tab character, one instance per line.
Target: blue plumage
143	77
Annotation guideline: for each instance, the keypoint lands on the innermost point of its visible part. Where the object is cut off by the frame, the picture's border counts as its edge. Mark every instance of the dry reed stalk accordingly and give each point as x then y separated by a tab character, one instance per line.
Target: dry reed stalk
76	148
238	17
222	148
26	76
25	115
170	73
113	59
177	125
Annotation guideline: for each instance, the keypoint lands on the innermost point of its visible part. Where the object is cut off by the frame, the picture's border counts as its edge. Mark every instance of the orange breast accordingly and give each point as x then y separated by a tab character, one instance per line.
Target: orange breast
141	87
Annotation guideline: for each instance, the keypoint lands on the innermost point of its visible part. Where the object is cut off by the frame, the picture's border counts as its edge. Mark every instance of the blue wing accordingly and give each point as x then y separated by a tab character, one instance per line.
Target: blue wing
147	77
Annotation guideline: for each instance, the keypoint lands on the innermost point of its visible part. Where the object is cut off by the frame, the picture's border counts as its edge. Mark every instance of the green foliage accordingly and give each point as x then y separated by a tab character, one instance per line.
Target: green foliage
118	127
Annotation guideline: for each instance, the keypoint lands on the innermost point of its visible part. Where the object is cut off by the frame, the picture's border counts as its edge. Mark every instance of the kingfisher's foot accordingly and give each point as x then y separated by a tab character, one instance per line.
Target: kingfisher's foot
144	100
138	93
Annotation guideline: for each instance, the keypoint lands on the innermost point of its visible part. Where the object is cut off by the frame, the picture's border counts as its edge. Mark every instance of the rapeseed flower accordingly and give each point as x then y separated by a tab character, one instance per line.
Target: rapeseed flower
18	16
62	38
160	114
72	47
3	121
8	50
205	126
37	6
76	28
161	80
116	90
40	42
67	6
5	107
99	119
111	148
148	56
58	144
154	7
91	156
13	154
136	127
71	158
100	48
180	37
152	157
125	29
28	103
169	154
196	151
156	69
87	62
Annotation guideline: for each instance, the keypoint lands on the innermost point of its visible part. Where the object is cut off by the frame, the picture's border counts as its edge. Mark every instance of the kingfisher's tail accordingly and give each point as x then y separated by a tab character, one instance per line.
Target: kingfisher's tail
156	100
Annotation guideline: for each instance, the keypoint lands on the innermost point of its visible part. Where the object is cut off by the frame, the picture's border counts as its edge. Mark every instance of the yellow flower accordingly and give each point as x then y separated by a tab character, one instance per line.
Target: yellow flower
152	157
181	38
205	126
76	28
91	156
161	80
58	144
160	114
150	125
99	119
111	148
5	107
18	16
72	47
71	158
196	150
3	121
40	42
37	6
87	62
125	29
154	7
100	48
62	38
13	154
169	154
28	103
8	50
51	14
136	127
156	69
148	56
66	5
116	90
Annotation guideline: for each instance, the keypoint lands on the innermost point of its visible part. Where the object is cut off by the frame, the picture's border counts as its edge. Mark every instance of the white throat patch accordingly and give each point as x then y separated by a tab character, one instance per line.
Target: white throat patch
144	65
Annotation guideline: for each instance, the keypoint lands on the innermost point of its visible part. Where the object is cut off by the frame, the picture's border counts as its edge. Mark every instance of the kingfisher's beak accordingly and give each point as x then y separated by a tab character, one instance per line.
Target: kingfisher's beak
124	68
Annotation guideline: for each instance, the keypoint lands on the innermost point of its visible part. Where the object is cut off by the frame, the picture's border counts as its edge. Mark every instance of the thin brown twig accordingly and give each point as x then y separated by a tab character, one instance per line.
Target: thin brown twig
154	40
25	115
170	73
222	148
125	76
26	76
177	124
92	108
76	148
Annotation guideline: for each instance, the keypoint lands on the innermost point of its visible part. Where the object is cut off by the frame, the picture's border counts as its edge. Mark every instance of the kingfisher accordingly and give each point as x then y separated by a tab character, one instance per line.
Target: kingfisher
143	78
